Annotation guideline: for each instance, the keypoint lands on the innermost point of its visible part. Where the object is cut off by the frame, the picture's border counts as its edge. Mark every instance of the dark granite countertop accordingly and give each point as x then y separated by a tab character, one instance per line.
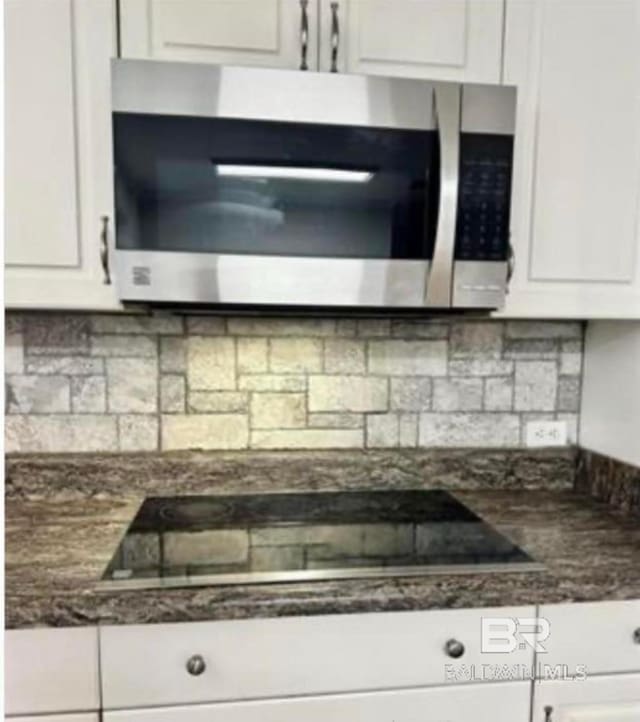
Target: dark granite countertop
66	514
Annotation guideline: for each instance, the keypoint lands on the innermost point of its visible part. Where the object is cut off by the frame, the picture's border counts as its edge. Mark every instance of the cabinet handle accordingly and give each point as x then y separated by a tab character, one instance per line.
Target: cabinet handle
636	635
196	665
548	711
104	250
335	36
304	34
454	648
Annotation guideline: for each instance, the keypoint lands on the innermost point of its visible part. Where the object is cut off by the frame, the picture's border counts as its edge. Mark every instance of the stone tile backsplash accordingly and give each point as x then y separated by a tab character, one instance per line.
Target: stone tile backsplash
80	382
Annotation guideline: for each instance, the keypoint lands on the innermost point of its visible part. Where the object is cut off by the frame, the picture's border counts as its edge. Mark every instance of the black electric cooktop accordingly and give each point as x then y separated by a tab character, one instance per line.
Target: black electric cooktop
202	540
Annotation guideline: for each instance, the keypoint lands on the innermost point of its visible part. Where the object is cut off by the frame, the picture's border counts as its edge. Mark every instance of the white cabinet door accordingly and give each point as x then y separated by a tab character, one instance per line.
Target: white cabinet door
457	40
236	32
596	699
577	164
51	671
508	702
58	152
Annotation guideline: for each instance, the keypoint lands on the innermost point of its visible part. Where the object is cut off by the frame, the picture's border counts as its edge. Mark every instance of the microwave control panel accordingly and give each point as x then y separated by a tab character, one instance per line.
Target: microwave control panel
482	228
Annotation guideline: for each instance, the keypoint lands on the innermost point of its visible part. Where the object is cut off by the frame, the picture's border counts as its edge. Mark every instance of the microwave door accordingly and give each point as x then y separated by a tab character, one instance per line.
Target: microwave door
439	284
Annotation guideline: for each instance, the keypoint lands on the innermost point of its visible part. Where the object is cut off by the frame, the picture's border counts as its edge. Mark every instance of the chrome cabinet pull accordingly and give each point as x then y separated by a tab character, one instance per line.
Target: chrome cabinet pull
454	648
636	635
104	250
335	36
440	281
548	711
304	34
196	665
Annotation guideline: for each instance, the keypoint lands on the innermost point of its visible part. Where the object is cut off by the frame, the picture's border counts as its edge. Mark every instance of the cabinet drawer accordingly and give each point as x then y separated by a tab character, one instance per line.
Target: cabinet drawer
508	702
599	636
51	670
146	665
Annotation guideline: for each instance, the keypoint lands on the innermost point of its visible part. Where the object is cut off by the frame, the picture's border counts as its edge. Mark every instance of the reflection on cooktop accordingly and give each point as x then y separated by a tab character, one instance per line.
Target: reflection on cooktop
201	540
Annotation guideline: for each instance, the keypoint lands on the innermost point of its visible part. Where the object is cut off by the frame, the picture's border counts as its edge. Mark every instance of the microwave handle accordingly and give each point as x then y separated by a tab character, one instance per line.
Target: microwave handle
440	280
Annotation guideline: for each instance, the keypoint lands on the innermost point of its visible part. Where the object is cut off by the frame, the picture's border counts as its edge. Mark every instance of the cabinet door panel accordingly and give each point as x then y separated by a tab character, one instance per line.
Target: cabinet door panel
596	699
507	702
436	39
576	200
242	32
58	174
41	215
51	670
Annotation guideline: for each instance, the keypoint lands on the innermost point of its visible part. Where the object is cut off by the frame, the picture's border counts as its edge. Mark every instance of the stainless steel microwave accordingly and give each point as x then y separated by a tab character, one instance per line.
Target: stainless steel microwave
252	187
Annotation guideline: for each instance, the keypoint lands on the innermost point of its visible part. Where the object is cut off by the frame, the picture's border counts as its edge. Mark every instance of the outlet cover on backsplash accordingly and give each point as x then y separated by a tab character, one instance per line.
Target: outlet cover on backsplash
546	433
90	382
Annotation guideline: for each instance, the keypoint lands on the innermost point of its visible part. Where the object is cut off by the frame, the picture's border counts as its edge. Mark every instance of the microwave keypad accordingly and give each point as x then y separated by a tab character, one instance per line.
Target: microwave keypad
482	231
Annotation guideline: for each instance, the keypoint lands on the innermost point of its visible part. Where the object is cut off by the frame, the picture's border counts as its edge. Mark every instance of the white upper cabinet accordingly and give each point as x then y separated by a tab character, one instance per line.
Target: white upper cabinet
457	40
273	33
58	152
577	167
437	39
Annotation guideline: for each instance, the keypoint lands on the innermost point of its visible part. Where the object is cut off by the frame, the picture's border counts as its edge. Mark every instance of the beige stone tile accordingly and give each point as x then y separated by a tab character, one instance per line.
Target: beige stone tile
344	356
408	358
60	433
469	430
536	385
347	393
383	430
457	394
295	355
173	357
172	394
278	411
307	439
211	364
218	401
159	323
89	394
344	420
204	431
138	432
271	382
124	345
476	339
311	327
252	355
132	385
37	394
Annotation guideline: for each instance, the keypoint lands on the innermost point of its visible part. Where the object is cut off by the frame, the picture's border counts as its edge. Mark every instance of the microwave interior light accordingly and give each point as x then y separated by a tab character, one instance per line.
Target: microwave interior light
296	173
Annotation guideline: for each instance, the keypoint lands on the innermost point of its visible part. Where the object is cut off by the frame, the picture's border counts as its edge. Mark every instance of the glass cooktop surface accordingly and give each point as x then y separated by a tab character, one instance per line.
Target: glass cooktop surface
252	538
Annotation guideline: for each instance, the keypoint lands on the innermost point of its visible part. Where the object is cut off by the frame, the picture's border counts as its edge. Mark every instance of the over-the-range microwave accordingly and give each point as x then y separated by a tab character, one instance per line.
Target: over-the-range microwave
250	187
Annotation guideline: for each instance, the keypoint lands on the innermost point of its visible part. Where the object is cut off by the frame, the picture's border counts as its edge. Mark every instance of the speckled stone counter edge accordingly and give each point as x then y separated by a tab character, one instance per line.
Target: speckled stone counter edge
112	475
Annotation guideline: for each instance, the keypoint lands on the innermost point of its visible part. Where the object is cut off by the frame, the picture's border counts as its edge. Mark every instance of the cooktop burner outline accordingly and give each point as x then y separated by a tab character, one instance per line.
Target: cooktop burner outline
275	537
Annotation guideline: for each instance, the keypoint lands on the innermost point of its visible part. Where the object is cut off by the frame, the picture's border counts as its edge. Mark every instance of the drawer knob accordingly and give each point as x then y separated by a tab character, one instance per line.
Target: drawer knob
454	648
636	636
196	665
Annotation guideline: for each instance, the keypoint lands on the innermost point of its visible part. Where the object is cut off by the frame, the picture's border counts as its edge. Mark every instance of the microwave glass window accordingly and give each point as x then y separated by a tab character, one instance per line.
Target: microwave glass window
217	185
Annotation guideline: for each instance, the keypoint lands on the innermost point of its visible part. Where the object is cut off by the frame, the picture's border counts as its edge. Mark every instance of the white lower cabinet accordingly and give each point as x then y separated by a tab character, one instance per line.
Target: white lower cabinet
152	665
508	702
607	698
52	671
